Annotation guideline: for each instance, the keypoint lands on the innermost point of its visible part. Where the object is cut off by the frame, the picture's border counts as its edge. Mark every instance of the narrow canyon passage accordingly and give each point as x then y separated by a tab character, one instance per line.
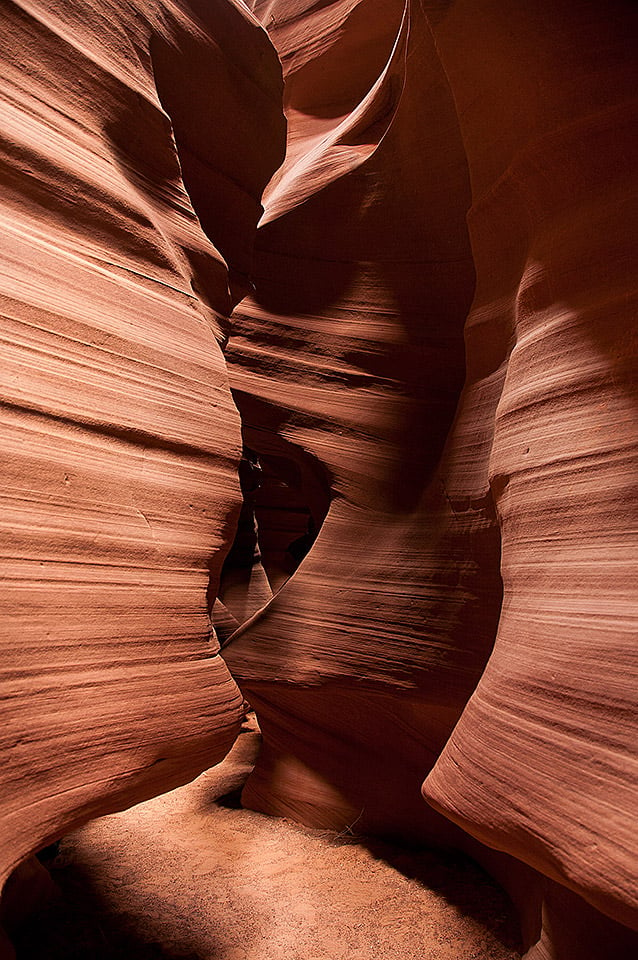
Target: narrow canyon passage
318	350
191	875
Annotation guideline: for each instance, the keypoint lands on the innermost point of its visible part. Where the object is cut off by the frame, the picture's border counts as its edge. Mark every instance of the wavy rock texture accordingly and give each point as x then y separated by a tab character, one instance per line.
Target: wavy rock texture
430	573
347	365
119	434
542	763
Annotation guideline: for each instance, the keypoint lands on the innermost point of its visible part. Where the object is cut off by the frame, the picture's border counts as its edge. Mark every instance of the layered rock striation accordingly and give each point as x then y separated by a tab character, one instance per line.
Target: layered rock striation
416	537
120	439
348	360
357	321
542	763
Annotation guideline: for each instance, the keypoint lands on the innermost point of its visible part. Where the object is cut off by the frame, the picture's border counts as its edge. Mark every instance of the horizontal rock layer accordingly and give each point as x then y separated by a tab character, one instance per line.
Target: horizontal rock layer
120	439
431	572
542	763
348	360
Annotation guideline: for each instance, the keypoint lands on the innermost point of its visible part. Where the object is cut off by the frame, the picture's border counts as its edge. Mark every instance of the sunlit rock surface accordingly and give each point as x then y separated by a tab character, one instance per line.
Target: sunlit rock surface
428	573
120	439
347	366
542	763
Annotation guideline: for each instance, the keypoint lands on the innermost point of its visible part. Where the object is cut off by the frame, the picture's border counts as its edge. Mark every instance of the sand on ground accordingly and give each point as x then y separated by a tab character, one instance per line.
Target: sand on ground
191	876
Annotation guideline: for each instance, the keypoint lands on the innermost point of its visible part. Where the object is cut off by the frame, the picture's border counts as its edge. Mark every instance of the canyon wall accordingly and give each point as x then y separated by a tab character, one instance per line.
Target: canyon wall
120	440
347	365
425	583
442	171
542	763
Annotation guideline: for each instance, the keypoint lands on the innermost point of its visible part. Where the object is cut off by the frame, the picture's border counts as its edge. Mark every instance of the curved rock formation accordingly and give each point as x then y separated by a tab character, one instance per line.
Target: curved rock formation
119	434
542	763
430	571
347	361
347	364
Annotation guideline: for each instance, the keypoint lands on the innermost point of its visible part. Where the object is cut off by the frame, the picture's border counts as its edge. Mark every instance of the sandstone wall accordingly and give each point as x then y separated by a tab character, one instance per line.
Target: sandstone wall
429	570
348	361
120	440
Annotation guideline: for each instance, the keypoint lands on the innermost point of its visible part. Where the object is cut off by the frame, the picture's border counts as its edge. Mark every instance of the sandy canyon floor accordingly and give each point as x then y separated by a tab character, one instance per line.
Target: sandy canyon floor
191	875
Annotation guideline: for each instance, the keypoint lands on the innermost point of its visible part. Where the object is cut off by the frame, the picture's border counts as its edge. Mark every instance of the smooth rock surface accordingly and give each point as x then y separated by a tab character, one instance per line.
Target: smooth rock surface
346	365
543	762
119	436
348	361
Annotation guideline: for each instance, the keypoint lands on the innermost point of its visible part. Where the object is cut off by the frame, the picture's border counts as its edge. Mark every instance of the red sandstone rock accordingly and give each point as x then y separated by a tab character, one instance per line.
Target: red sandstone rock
347	365
347	362
542	763
418	456
120	439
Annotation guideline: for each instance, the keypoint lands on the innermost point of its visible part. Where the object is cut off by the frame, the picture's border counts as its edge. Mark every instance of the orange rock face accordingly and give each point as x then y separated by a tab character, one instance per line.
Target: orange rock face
348	363
542	762
120	439
347	366
432	575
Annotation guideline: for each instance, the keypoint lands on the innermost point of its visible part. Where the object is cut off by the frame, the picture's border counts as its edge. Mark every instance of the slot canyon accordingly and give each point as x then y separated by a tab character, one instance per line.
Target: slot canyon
319	439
